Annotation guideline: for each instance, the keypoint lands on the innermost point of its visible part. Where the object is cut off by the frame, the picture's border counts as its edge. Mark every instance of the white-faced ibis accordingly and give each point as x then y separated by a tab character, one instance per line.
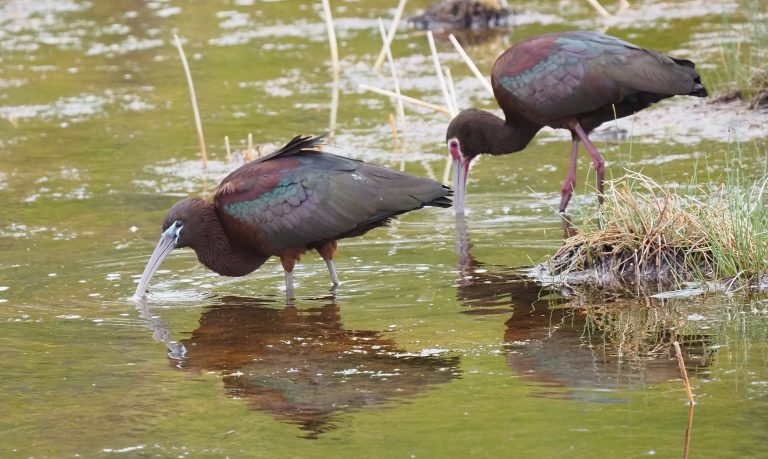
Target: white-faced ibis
284	204
571	80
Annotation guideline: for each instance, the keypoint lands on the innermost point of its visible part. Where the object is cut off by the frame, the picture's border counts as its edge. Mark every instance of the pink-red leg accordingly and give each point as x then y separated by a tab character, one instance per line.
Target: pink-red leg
597	160
570	181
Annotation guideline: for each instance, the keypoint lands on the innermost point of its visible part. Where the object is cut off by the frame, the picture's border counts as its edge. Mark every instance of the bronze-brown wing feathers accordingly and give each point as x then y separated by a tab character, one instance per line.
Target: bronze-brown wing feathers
559	76
297	197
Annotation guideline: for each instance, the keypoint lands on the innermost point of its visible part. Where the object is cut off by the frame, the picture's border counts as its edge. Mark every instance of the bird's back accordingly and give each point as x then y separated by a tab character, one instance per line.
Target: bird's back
550	79
300	197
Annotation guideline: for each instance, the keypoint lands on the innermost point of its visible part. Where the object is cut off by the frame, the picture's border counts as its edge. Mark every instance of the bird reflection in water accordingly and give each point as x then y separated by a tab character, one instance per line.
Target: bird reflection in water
576	346
493	289
301	365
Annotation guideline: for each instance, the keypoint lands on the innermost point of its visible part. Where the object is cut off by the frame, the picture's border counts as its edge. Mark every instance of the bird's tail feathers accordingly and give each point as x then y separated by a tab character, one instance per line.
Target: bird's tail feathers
442	201
698	89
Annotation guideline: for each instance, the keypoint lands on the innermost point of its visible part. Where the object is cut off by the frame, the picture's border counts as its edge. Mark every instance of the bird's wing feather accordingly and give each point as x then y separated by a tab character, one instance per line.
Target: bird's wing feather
298	200
561	75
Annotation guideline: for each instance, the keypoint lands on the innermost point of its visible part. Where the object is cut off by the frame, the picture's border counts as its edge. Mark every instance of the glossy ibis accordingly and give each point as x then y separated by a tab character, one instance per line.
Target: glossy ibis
284	204
571	80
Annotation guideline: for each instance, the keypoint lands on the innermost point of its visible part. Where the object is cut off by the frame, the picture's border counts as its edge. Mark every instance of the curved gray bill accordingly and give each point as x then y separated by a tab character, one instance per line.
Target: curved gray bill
460	173
164	246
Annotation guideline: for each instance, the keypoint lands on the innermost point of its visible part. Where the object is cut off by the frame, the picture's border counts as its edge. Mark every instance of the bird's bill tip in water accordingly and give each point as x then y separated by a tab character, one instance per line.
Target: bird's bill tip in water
164	246
460	173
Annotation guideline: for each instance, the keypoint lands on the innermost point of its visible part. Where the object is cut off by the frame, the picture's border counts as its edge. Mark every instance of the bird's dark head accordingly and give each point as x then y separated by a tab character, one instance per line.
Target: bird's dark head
182	227
469	134
185	220
462	134
461	148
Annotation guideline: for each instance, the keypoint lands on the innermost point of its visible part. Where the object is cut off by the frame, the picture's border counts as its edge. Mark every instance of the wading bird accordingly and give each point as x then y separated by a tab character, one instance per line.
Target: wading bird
571	80
284	204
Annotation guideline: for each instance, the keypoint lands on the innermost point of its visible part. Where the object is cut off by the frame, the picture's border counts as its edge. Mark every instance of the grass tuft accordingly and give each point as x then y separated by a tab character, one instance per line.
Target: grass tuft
742	73
647	234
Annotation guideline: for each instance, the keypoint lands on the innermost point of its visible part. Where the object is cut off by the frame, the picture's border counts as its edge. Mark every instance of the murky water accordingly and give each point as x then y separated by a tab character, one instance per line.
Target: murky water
421	353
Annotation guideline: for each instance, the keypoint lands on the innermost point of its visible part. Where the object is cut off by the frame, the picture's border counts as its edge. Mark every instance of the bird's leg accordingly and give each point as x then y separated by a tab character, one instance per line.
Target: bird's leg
597	160
288	263
570	181
289	284
332	272
328	251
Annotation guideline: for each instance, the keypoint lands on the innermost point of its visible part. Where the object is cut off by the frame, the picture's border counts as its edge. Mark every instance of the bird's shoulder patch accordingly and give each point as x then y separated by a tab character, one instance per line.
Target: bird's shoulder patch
271	206
249	183
524	56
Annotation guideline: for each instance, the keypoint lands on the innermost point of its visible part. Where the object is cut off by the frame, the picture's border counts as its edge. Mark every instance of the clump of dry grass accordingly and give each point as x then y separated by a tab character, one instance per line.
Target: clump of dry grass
645	234
753	89
741	73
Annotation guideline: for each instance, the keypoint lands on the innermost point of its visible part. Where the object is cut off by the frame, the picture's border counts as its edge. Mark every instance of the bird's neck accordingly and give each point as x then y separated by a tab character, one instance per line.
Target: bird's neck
509	136
216	251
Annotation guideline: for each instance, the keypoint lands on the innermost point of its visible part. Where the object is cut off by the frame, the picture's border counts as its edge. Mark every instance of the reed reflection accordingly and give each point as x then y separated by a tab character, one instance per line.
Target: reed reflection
576	345
301	365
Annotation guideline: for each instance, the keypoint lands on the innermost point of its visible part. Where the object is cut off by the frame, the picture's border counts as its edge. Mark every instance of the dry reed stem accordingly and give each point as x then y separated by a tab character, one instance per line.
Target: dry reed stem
451	90
440	76
249	154
428	169
335	67
331	36
227	148
447	170
393	126
599	8
455	111
193	97
623	6
390	35
688	430
395	81
683	371
405	98
471	64
333	117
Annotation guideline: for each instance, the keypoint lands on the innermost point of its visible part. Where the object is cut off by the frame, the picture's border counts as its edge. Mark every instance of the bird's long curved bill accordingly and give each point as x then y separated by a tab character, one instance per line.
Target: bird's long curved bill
460	173
164	246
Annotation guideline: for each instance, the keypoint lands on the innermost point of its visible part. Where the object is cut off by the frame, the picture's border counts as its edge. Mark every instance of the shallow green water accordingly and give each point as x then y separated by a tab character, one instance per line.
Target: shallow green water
419	354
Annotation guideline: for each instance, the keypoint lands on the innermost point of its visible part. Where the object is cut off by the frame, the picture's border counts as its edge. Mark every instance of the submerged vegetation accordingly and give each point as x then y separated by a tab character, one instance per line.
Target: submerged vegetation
742	71
649	235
